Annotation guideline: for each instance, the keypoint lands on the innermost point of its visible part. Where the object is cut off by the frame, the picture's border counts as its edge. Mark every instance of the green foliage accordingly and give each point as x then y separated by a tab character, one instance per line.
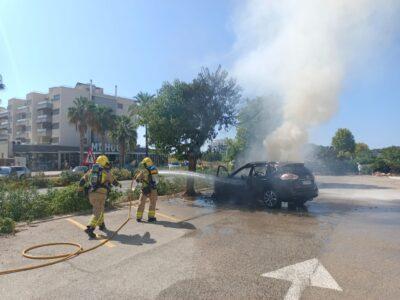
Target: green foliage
343	142
68	177
388	160
7	225
102	122
81	115
66	200
26	204
211	155
121	174
185	115
362	154
125	135
40	181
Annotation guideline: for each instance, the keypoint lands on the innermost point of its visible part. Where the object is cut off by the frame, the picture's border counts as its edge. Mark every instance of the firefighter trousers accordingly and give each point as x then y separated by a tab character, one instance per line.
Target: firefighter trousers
142	202
97	199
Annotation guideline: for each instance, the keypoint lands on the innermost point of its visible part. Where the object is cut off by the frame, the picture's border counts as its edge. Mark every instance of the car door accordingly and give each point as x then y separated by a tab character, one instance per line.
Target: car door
260	179
239	181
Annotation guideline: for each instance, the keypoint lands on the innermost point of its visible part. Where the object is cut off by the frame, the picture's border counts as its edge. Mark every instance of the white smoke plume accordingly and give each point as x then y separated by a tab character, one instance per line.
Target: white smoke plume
301	50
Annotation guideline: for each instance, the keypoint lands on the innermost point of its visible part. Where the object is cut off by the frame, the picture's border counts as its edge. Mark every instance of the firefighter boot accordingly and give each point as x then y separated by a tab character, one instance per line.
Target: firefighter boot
152	220
89	230
102	226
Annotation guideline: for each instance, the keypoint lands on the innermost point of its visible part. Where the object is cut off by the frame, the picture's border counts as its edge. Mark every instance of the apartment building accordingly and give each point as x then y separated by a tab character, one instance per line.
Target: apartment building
38	127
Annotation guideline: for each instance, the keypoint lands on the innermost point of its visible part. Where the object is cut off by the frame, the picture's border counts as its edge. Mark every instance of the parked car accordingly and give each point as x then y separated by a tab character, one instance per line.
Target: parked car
269	182
174	165
80	170
16	172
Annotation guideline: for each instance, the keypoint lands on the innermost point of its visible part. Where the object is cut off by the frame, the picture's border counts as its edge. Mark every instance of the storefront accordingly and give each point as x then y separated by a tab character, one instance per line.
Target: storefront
55	157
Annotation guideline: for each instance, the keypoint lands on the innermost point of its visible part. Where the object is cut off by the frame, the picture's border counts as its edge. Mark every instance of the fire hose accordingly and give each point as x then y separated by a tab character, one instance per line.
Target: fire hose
66	256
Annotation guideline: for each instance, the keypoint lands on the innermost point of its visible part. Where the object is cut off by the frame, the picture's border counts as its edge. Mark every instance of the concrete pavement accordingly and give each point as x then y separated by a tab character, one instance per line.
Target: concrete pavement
201	250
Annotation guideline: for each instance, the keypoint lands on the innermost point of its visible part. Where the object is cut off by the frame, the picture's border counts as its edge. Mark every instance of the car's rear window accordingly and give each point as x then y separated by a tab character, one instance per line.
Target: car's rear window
294	168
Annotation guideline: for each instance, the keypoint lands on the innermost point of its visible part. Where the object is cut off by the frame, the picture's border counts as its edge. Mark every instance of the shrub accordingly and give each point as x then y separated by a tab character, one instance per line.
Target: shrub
68	177
40	181
66	200
7	225
121	174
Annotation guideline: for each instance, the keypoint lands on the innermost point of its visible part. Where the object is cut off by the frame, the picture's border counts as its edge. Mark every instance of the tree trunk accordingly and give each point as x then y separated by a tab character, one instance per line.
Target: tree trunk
103	144
81	138
122	155
190	180
147	142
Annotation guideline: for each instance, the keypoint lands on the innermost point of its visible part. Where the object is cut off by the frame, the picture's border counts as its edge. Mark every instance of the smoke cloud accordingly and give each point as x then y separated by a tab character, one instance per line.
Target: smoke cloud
301	51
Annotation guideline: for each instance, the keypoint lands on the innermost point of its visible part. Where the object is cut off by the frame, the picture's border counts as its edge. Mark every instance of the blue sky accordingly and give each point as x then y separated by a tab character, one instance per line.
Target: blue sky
139	44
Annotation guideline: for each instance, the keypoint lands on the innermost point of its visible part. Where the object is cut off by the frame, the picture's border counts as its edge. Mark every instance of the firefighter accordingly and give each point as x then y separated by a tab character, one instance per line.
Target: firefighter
98	181
147	178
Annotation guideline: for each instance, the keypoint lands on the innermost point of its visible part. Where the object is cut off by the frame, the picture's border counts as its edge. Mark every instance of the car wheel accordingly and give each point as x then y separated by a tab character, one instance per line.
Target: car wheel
22	177
271	200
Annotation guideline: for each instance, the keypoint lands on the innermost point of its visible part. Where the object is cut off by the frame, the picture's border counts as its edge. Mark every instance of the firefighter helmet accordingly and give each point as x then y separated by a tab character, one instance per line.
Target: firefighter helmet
103	161
147	162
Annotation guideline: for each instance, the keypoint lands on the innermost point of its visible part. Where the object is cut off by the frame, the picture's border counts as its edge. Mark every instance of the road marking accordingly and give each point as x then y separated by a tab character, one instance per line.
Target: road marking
307	273
83	227
168	217
163	215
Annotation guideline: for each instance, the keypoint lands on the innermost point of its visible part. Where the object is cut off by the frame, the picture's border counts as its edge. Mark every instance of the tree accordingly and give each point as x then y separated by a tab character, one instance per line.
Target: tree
185	115
81	115
362	153
102	122
143	101
343	142
125	135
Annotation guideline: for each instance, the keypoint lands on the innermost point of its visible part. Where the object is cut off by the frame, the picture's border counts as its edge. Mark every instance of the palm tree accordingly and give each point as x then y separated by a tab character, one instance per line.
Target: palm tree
143	100
81	115
102	123
125	135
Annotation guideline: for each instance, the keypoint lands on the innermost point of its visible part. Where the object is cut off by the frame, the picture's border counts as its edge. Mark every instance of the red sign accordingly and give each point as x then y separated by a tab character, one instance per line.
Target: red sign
90	159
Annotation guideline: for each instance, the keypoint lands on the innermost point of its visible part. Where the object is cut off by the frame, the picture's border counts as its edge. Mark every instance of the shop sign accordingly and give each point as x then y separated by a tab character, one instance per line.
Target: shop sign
108	147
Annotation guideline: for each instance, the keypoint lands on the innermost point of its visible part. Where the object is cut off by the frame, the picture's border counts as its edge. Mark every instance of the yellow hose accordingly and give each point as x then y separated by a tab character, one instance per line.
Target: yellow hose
62	257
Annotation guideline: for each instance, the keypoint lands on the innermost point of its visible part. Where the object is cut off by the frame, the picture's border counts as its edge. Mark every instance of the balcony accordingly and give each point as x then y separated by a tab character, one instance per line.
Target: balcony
43	132
44	105
22	121
43	118
23	108
4	125
4	114
22	135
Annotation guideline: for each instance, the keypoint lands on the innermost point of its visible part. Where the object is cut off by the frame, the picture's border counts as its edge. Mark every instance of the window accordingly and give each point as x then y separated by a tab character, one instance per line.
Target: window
56	97
259	171
242	173
55	140
56	111
120	106
56	125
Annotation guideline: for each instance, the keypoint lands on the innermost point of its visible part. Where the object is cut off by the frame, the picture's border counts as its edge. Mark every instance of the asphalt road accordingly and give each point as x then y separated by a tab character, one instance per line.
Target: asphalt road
343	245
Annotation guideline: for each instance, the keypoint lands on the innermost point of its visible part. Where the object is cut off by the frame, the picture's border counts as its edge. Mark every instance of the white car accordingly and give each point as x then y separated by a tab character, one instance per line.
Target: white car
15	172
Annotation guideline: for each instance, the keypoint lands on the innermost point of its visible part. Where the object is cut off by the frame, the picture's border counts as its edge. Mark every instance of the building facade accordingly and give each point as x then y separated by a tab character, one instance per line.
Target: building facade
38	127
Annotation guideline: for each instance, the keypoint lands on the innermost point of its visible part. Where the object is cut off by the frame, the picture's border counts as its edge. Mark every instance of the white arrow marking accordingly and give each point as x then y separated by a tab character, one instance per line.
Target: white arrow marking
307	273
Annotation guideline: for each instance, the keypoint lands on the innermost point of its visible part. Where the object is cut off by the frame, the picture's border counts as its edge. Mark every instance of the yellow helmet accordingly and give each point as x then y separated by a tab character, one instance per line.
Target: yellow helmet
103	161
147	162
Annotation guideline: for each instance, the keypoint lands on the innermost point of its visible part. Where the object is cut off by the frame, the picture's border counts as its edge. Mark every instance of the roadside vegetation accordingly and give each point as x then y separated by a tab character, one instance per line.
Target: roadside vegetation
21	201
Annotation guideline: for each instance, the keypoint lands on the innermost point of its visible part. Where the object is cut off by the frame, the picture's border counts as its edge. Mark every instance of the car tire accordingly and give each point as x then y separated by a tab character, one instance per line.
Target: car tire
22	177
271	199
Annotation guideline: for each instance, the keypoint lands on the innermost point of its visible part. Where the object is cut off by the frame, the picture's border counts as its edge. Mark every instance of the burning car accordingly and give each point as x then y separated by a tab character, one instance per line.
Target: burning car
269	182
